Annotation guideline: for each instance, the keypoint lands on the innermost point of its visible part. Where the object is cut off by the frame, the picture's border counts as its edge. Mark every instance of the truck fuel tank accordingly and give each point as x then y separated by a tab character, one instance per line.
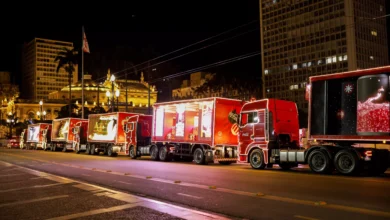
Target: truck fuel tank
292	156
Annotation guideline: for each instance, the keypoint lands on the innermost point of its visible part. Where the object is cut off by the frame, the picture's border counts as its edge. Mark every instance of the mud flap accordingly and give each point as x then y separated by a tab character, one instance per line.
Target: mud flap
209	157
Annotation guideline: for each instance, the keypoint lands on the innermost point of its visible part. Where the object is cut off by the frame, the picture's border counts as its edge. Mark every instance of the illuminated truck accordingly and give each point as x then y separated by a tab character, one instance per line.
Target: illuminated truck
106	134
38	136
348	126
63	137
202	130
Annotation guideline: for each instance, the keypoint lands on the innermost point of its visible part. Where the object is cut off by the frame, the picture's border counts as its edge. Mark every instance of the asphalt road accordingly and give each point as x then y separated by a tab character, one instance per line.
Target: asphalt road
236	190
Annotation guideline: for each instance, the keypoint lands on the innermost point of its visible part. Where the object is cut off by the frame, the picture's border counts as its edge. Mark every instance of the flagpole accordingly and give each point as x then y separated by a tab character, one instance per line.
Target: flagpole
82	73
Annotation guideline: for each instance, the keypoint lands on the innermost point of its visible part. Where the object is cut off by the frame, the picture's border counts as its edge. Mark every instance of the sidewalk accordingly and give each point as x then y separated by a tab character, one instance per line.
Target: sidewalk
30	194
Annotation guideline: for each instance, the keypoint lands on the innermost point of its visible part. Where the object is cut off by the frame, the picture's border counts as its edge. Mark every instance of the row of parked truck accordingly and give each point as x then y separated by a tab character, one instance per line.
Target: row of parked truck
348	129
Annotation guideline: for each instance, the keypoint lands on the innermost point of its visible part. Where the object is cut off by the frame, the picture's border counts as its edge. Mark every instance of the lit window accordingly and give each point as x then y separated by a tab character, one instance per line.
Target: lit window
328	60
295	66
374	33
371	57
268	90
303	64
334	59
345	57
309	64
340	58
380	8
296	86
266	72
319	62
291	87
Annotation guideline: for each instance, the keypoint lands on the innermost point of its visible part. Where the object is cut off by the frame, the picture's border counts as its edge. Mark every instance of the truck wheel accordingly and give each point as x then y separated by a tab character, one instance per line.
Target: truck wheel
92	150
256	159
154	153
346	162
163	154
132	154
199	157
88	149
110	151
319	161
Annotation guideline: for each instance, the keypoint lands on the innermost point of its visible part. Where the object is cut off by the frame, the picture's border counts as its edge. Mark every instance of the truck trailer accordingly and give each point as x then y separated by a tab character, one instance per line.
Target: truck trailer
106	133
202	130
348	126
38	136
62	135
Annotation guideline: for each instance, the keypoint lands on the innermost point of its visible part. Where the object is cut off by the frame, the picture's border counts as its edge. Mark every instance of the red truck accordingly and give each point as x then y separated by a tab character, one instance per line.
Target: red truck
348	129
106	133
202	130
38	136
63	137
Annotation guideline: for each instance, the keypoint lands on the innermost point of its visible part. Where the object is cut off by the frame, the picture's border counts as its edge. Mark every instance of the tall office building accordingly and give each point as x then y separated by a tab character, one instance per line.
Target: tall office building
39	70
301	38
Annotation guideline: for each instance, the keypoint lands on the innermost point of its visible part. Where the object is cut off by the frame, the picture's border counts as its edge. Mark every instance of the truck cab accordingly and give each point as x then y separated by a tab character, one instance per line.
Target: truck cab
267	126
137	131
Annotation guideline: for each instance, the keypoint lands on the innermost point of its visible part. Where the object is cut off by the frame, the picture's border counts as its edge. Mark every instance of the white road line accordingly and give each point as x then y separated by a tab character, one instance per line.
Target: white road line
30	187
191	196
14	174
33	200
94	212
306	218
124	182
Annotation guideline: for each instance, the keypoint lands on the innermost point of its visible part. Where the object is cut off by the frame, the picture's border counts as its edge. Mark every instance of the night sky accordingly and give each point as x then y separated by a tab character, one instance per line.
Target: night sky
137	32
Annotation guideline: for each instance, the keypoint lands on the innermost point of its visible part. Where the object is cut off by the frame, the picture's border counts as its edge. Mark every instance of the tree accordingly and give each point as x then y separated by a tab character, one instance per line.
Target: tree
67	59
64	112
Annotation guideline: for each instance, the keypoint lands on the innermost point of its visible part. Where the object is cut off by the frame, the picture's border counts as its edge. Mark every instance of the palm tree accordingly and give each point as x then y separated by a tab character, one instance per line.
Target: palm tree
67	59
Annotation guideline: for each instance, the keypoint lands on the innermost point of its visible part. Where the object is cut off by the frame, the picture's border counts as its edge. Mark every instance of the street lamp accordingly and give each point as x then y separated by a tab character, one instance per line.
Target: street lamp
11	120
117	93
112	79
108	95
41	107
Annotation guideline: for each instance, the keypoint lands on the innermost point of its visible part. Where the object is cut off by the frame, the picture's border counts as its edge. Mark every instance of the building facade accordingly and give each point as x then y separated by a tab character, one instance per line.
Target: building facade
96	93
302	38
39	70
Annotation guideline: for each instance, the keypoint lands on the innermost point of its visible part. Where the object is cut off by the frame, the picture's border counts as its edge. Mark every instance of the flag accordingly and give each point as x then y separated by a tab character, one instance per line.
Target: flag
85	44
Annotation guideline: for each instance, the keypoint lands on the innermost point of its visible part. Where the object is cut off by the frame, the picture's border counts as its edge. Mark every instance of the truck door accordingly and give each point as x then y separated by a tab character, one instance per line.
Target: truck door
259	126
248	129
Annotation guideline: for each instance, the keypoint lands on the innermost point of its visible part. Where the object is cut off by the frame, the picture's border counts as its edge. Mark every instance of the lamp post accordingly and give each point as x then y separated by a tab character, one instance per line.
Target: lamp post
41	107
108	95
112	79
117	93
11	120
44	115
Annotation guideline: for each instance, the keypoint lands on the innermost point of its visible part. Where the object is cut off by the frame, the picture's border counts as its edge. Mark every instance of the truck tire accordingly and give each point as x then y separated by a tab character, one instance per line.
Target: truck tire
163	154
92	150
154	153
88	149
132	154
346	162
110	151
319	161
256	159
199	157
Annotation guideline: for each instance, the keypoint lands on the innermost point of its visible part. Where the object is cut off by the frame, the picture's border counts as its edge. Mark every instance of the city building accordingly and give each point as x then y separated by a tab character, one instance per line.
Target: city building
301	38
96	93
39	70
192	88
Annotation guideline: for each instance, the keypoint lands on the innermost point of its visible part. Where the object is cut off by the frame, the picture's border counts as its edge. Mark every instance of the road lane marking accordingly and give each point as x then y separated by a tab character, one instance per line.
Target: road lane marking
30	187
94	212
14	174
124	182
33	200
190	196
306	218
268	197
